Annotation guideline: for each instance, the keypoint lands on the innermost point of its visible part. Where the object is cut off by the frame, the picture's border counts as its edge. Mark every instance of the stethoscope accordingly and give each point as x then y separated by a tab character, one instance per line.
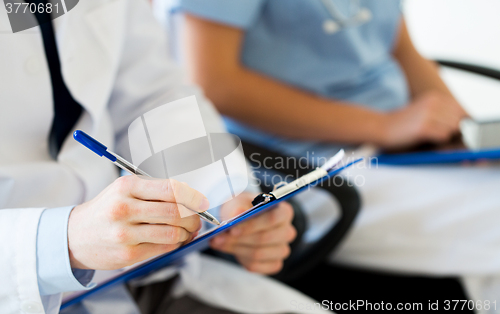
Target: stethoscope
338	20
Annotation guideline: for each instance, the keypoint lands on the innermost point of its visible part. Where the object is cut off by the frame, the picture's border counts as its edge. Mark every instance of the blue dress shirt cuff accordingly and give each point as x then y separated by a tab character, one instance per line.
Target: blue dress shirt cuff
55	274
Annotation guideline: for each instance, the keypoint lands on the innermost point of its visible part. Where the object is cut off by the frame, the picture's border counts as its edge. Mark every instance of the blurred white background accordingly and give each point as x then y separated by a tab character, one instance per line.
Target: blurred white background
465	31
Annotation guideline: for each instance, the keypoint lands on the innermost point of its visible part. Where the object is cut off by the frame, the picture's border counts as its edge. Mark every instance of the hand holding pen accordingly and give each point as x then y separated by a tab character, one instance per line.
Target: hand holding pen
102	150
132	220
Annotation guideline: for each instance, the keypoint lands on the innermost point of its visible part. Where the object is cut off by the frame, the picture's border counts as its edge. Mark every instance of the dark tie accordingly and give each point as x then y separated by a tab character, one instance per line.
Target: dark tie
66	109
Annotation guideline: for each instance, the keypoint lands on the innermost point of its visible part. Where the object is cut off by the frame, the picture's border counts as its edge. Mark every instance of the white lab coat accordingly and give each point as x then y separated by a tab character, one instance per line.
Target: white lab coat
114	62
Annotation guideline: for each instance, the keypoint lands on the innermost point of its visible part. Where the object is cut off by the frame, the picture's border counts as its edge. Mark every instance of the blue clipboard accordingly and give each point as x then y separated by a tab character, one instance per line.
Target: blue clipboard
198	244
437	157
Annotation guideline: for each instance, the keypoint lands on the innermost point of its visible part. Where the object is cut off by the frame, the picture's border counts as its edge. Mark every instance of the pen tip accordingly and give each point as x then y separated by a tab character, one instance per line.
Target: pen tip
216	222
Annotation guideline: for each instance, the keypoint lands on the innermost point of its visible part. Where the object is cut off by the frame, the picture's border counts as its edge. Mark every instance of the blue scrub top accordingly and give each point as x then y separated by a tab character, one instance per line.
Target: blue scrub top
286	40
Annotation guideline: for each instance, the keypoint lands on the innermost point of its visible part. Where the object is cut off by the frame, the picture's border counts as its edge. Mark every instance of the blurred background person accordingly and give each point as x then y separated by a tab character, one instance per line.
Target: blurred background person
306	77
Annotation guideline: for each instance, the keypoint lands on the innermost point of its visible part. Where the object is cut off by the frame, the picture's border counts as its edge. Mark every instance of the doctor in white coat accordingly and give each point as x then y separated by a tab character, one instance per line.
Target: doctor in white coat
114	62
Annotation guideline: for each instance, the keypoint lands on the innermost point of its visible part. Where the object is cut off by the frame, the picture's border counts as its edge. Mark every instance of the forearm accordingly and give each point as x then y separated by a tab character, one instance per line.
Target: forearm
422	74
287	111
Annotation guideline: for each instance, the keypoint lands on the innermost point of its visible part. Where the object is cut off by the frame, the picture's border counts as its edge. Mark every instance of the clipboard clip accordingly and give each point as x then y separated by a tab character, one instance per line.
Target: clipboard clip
267	197
263	198
283	188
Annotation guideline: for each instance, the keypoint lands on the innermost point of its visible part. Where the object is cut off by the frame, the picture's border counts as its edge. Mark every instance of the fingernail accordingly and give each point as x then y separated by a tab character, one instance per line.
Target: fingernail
205	204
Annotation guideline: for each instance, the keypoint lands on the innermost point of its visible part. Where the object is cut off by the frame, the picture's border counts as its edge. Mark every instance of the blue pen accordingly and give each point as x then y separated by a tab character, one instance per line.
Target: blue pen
101	150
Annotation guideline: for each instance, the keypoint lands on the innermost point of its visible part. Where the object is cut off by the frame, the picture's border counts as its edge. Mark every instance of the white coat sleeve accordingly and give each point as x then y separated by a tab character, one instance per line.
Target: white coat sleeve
19	288
19	282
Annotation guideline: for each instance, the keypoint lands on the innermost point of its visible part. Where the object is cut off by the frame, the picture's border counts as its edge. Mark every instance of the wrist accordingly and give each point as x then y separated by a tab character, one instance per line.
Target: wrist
72	242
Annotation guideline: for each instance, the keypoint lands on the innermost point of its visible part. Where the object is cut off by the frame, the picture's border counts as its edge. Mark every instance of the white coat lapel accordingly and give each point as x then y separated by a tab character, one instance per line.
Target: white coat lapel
90	39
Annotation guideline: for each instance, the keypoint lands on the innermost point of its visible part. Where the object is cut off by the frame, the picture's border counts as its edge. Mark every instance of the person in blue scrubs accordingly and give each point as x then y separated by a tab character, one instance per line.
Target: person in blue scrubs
336	71
307	77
